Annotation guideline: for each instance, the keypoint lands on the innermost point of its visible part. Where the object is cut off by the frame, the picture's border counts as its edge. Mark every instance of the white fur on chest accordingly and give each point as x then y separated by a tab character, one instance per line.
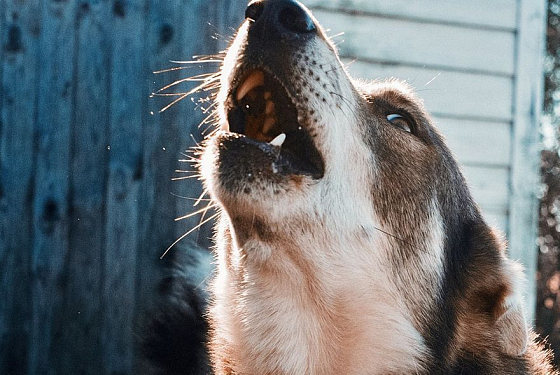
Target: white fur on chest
338	315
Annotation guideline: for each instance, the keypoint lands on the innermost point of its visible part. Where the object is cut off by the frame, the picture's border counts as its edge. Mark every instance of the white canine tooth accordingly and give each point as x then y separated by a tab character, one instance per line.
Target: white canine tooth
269	107
268	124
255	79
279	140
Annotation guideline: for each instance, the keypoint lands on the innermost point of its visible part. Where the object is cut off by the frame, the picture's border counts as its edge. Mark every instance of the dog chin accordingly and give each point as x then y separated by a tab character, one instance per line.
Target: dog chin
245	176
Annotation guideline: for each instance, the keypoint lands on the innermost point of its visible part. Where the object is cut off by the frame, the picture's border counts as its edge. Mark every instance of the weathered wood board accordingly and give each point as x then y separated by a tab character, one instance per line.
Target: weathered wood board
86	207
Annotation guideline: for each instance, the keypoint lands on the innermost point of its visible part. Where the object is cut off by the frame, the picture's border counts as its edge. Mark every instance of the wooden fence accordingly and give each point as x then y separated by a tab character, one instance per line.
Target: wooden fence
86	198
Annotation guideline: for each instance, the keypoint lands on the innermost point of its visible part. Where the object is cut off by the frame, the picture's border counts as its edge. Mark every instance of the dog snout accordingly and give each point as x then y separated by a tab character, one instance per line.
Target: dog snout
279	19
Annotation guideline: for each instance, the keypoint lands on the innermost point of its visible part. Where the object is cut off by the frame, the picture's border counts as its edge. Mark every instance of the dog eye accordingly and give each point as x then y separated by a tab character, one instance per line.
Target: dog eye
399	121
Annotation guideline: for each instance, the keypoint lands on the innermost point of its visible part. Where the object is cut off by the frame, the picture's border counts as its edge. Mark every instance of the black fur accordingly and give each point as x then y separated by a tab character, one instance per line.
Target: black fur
175	339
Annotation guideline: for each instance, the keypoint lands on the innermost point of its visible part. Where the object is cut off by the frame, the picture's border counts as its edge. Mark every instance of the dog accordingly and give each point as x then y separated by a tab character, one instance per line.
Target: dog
347	241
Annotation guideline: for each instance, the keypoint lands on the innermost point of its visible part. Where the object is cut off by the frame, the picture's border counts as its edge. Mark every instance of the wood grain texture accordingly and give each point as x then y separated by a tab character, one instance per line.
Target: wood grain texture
160	152
85	184
18	108
55	116
421	44
81	316
176	32
478	13
205	37
123	185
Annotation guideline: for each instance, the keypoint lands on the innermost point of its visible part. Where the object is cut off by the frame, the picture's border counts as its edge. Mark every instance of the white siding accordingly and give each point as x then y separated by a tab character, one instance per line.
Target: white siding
483	13
448	93
477	66
421	43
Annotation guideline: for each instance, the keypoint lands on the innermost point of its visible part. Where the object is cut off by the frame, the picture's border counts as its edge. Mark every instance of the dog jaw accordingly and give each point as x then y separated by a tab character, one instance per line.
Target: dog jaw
248	180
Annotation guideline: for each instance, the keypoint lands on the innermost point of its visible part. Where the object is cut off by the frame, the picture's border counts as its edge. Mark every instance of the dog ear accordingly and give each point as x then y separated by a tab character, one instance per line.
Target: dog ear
511	324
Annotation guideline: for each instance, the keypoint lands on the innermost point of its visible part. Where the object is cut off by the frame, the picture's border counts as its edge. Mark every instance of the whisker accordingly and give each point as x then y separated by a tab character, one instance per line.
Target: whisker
196	61
206	119
213	129
214	85
392	235
181	95
194	140
174	102
200	198
185	177
351	62
345	100
172	69
189	198
433	79
186	234
210	107
208	206
190	159
220	56
169	94
336	35
208	77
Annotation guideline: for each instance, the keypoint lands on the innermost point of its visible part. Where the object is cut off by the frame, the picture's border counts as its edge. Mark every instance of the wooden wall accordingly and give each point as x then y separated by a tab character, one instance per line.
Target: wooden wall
478	66
86	197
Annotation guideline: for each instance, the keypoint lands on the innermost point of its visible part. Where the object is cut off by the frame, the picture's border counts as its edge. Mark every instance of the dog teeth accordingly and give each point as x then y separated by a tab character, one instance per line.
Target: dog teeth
269	107
268	124
279	140
255	79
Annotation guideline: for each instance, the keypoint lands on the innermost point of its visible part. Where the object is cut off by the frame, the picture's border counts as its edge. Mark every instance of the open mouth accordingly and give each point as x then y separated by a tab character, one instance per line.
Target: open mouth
261	110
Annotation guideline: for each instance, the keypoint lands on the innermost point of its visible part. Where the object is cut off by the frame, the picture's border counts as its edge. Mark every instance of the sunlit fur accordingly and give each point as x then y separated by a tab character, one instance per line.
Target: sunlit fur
382	266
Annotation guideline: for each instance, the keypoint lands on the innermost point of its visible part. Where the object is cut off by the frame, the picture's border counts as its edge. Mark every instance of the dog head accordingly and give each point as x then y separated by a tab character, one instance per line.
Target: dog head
354	173
299	138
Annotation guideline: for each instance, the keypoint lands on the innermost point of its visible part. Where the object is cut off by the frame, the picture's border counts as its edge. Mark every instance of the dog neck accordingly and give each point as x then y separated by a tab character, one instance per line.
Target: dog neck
312	302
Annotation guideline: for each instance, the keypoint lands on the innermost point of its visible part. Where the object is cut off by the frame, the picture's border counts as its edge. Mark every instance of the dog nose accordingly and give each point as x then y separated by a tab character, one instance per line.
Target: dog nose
286	18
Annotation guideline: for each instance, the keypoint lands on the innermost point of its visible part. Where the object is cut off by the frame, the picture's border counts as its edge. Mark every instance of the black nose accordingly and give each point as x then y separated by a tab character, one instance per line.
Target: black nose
285	18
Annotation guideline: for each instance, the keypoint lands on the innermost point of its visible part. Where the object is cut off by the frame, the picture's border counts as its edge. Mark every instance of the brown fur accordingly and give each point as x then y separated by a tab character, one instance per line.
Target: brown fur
381	265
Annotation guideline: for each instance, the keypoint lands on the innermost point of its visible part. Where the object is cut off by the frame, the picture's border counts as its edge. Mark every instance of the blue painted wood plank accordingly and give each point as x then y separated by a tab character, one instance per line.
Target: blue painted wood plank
124	183
50	202
156	209
18	107
78	346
